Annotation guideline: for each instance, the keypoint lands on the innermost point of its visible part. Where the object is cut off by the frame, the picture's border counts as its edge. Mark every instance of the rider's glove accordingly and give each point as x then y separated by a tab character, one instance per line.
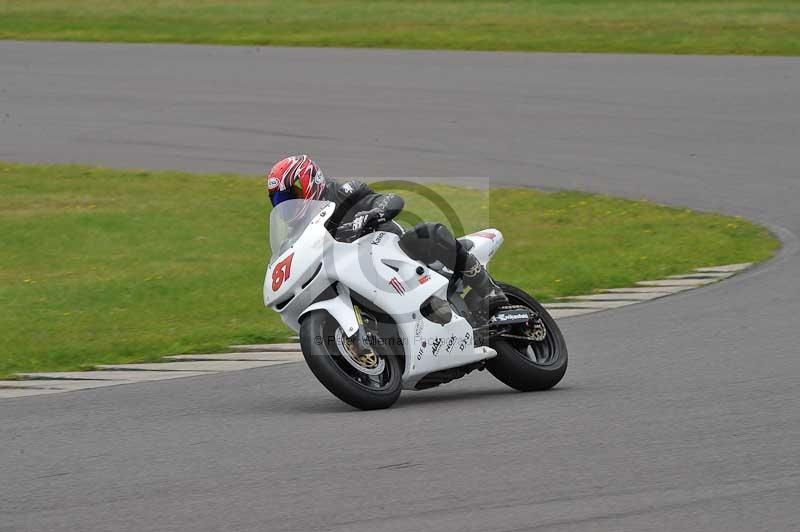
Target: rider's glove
366	220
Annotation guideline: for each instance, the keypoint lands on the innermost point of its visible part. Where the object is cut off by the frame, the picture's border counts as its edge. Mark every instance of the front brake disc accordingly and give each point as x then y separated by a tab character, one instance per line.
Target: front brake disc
369	364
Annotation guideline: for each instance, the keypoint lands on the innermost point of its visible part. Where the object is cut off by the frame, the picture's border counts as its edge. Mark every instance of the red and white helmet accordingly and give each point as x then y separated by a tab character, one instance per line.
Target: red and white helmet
296	177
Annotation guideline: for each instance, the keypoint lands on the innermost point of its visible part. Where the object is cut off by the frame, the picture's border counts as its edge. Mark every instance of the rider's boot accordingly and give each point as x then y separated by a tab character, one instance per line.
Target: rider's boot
478	279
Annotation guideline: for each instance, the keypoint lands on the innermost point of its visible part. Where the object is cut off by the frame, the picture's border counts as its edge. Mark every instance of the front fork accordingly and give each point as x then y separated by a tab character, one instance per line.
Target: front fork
362	345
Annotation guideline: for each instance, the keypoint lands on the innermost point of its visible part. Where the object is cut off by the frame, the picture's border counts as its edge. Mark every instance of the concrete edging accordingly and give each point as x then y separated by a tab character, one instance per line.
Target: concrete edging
246	357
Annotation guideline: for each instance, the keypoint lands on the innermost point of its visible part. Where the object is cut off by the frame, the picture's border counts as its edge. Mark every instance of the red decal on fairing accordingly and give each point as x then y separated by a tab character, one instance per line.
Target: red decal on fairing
485	234
281	272
397	285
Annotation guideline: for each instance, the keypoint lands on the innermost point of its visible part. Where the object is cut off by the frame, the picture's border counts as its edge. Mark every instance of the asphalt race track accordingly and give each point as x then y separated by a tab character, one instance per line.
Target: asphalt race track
680	414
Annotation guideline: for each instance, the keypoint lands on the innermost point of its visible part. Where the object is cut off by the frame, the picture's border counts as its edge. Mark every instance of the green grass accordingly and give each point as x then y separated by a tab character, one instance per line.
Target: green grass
102	265
650	26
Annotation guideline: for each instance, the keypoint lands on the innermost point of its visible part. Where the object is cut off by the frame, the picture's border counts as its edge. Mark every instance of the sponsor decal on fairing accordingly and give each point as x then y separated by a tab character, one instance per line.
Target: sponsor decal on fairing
435	345
450	343
395	283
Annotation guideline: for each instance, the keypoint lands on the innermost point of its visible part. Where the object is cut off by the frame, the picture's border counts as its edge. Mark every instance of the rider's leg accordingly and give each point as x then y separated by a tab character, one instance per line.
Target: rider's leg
390	227
429	242
478	279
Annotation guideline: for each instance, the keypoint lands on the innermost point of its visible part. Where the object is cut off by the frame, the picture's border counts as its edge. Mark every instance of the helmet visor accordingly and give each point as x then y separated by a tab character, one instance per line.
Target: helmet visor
280	196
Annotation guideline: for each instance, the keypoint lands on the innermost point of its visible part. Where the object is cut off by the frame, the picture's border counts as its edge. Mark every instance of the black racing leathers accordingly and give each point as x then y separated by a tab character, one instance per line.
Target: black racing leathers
354	197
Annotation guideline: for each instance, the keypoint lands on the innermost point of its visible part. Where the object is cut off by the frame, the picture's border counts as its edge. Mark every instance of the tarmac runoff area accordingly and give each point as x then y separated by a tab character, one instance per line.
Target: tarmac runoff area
246	357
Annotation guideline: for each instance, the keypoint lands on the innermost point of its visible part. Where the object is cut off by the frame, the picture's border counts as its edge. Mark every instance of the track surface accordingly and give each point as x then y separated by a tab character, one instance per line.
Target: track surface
681	414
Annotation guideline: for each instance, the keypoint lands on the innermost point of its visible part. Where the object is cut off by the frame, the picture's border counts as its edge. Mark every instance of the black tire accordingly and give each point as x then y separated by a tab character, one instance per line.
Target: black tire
317	332
519	369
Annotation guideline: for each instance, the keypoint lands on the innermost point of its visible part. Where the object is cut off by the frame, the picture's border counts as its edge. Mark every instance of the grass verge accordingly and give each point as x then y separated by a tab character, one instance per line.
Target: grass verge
649	26
101	265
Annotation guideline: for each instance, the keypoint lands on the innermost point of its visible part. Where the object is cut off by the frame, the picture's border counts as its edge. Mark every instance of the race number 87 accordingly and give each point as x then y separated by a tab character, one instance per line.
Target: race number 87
281	272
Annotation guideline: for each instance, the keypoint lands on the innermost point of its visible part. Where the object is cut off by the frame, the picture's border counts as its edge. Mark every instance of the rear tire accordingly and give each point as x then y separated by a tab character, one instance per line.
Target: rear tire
539	367
324	356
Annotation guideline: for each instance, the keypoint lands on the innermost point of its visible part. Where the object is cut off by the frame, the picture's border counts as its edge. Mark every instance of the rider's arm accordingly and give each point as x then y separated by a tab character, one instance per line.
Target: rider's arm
388	206
356	197
363	207
384	207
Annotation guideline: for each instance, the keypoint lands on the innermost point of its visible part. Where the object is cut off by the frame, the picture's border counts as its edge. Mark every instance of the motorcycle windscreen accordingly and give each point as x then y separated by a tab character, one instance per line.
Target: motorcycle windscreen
289	220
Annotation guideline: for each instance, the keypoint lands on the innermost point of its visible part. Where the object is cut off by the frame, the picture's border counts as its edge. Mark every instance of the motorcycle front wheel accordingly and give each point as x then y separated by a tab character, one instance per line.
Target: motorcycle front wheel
531	356
369	381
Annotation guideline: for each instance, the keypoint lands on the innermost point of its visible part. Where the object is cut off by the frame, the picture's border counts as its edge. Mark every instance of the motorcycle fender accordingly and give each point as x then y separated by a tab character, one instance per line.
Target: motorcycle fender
341	308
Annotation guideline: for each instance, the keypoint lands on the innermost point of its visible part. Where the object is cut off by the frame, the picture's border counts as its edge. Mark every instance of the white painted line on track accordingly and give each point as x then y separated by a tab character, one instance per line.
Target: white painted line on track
666	290
25	388
632	296
709	275
13	393
589	304
727	268
677	282
114	375
569	312
286	356
267	347
214	366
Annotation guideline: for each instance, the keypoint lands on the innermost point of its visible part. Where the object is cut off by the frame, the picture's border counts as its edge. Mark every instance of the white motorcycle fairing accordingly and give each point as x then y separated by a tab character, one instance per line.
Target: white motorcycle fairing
319	273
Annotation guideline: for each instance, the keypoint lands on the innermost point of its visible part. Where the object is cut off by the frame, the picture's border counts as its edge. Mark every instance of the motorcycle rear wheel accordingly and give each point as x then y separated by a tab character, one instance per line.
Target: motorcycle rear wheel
332	359
529	365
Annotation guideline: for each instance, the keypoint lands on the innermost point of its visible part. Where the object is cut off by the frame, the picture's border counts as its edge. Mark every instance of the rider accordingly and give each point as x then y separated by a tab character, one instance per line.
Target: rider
298	177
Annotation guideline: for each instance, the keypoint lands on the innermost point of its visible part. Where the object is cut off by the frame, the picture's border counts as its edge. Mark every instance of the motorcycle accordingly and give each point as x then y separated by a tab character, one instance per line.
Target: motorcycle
372	321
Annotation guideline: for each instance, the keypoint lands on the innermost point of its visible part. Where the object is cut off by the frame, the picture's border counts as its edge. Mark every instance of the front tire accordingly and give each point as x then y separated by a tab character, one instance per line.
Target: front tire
529	365
367	386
